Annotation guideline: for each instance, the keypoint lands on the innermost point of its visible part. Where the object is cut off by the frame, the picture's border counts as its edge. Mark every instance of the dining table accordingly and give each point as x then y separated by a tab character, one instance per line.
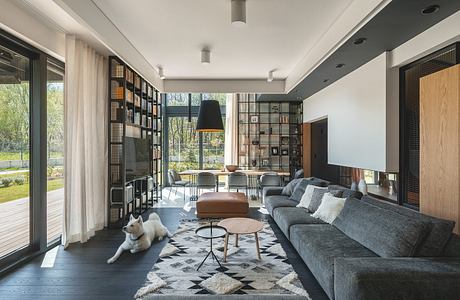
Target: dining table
253	175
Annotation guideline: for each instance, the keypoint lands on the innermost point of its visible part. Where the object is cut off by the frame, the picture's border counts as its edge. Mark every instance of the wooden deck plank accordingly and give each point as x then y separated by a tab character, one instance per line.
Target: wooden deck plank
14	221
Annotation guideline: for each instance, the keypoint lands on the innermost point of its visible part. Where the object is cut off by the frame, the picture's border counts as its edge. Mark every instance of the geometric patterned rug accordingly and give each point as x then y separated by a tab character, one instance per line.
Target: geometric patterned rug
175	271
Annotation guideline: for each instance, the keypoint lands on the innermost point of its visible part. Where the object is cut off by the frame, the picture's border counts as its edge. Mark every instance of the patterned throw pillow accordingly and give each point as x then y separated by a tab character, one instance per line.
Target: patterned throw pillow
329	208
306	198
318	196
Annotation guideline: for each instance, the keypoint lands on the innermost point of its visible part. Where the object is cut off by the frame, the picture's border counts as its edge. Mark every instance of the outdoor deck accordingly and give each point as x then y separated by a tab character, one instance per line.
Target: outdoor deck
14	221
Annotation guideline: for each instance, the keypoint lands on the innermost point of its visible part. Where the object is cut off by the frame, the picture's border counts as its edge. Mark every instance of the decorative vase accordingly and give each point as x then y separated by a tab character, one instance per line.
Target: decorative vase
354	186
362	187
254	162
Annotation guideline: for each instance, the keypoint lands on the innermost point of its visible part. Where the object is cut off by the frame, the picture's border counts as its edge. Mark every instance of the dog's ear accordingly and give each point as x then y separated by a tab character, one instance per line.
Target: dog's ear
131	217
139	219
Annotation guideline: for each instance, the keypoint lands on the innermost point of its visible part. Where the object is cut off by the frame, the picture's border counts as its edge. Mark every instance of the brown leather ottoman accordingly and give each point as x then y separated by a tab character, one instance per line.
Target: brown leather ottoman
222	204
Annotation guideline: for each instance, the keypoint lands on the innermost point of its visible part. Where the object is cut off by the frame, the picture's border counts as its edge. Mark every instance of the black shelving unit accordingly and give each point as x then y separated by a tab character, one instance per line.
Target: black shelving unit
135	112
269	135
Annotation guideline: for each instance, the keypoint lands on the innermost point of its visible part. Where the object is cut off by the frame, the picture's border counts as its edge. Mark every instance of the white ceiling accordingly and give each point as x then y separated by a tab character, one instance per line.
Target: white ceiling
170	33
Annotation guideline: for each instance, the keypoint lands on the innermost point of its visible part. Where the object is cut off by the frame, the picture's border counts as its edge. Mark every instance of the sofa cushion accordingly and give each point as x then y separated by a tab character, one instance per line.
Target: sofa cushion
329	208
346	192
452	248
439	230
308	194
289	188
302	185
317	197
285	217
387	233
319	245
273	202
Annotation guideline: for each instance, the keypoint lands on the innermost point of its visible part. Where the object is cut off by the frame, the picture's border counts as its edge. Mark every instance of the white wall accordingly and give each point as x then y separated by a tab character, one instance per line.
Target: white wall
28	27
356	109
363	107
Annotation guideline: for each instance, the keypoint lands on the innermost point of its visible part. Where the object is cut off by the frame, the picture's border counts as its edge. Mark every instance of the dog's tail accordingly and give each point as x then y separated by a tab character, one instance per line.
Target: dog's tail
154	217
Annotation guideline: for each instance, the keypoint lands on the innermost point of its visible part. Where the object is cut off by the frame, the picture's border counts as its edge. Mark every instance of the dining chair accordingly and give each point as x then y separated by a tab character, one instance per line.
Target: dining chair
175	181
205	180
238	180
268	179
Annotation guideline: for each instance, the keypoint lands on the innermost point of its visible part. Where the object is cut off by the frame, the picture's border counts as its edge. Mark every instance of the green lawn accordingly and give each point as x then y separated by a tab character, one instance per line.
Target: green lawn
21	191
17	155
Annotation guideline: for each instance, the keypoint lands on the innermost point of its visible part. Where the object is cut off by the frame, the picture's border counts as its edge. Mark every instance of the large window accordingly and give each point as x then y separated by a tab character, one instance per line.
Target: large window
186	148
15	200
31	150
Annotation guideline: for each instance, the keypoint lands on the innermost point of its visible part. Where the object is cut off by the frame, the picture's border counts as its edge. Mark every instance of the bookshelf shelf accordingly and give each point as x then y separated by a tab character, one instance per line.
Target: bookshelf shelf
132	101
269	135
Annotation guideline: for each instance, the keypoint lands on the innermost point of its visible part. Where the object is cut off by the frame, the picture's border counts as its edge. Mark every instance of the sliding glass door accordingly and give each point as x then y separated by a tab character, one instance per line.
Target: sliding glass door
55	150
15	200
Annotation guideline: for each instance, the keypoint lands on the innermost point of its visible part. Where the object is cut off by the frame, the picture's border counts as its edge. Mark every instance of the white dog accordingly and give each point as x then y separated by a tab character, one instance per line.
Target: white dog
140	235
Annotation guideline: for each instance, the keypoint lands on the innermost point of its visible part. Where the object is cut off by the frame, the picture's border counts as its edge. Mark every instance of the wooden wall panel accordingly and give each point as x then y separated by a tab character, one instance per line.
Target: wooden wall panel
306	144
439	144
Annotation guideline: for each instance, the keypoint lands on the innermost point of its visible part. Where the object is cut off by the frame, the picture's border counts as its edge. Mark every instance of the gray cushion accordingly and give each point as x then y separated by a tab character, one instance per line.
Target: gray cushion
317	197
438	233
319	245
396	278
452	248
289	188
273	202
285	217
302	185
387	233
346	193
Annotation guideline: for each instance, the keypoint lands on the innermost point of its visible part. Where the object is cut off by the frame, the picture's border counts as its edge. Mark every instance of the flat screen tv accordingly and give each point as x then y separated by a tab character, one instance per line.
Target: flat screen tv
137	157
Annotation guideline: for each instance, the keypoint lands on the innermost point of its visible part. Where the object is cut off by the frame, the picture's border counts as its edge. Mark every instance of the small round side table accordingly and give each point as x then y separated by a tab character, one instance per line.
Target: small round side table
210	232
239	226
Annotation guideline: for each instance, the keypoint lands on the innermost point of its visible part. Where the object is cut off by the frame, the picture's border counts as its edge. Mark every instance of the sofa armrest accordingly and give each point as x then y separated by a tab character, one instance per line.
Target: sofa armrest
271	191
396	278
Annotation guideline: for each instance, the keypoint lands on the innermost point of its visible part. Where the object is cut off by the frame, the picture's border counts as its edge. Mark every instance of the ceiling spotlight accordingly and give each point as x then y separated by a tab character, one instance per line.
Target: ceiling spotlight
270	76
161	73
430	9
205	56
338	66
359	41
238	12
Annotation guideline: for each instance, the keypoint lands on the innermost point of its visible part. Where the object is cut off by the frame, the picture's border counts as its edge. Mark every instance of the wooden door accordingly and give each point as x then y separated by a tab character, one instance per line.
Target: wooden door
439	144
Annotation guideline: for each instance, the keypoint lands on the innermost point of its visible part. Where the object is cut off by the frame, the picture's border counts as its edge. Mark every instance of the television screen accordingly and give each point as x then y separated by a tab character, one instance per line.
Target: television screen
137	157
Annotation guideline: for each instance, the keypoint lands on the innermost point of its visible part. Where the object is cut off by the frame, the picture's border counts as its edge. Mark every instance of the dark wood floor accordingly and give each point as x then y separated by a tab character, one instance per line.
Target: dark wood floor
81	272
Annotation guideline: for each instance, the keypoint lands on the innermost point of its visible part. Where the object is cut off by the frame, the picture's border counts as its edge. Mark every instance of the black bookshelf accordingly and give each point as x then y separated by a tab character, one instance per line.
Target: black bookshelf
269	135
135	112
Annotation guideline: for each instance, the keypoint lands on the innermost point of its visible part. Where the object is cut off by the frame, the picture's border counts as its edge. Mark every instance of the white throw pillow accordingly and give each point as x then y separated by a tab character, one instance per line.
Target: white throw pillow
306	197
330	208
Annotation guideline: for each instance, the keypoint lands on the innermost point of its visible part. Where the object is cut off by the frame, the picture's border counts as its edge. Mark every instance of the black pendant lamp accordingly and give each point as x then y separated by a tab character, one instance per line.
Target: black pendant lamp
209	117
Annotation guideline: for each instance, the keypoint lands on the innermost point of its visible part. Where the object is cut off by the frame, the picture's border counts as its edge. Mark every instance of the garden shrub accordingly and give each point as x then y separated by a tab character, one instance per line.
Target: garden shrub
6	181
19	180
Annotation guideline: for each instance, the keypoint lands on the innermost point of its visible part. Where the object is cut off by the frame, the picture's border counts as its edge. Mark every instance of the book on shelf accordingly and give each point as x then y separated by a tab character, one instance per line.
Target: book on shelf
137	118
129	76
129	96
137	82
137	100
117	70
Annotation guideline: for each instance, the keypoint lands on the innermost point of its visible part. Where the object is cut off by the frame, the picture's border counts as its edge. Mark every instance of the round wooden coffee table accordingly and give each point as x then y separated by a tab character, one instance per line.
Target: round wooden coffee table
239	226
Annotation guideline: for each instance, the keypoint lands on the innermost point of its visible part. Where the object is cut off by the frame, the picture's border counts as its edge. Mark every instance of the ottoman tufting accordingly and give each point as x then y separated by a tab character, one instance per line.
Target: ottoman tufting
222	204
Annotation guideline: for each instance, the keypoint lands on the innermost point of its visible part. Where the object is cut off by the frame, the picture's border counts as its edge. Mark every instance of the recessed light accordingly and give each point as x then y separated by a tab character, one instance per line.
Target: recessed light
270	76
359	41
430	9
338	66
325	80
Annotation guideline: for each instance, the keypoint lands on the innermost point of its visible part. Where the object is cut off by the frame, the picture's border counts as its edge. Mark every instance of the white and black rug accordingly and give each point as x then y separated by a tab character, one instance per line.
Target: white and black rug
175	271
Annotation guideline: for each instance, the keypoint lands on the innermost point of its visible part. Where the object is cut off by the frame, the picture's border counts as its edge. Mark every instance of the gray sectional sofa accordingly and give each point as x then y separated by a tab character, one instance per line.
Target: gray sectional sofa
373	249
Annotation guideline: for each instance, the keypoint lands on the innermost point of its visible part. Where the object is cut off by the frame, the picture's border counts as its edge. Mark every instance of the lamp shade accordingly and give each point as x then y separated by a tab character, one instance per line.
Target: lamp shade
209	117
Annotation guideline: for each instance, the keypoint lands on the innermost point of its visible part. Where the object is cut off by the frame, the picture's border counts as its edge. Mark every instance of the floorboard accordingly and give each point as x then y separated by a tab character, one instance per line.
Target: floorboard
81	272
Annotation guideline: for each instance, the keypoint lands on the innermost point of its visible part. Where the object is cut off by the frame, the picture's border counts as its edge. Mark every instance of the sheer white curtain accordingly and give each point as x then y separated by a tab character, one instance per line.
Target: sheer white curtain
85	205
231	130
